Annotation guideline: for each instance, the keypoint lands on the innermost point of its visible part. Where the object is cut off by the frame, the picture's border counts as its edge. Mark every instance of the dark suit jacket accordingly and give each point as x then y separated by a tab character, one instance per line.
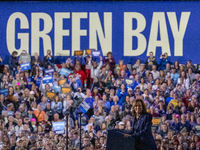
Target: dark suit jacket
143	136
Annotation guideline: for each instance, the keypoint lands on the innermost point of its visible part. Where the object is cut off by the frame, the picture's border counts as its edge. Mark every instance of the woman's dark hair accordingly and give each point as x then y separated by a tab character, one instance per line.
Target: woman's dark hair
109	53
144	110
185	77
14	53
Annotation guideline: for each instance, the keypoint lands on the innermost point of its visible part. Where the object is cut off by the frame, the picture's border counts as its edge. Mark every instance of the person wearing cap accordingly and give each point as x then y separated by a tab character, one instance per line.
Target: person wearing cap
17	116
127	111
48	60
74	81
121	125
32	98
163	61
24	57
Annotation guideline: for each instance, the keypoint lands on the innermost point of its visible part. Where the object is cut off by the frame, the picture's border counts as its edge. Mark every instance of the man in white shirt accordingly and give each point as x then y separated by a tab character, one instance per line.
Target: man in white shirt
155	72
19	127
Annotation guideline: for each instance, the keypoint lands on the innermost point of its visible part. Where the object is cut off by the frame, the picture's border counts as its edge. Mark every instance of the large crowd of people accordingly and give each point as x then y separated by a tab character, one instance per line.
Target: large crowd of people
170	92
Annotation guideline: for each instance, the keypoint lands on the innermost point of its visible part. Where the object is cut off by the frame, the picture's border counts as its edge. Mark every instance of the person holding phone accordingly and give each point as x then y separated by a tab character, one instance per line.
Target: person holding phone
48	60
163	61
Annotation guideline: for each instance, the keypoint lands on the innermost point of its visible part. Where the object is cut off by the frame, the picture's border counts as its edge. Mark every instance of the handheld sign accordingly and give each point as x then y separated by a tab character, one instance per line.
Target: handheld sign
66	90
56	88
129	81
4	91
25	66
49	72
88	51
10	113
96	53
58	127
86	105
61	82
156	121
78	53
47	79
50	94
197	128
65	72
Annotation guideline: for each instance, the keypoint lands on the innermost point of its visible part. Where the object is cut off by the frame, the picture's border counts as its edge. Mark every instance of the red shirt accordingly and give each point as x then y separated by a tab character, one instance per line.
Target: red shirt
81	75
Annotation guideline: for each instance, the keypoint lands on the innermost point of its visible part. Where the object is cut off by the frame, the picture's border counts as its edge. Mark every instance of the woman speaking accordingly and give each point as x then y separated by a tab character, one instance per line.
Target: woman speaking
141	130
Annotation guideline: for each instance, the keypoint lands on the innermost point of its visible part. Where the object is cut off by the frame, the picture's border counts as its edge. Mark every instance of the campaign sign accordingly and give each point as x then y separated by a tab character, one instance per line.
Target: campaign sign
25	66
78	53
58	126
197	128
50	94
56	88
49	71
89	51
129	81
61	82
10	113
65	72
4	91
66	90
96	53
47	79
86	105
156	121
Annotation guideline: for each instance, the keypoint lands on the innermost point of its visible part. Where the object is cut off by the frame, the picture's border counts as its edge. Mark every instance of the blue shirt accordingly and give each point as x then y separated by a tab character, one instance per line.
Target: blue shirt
175	77
168	99
107	104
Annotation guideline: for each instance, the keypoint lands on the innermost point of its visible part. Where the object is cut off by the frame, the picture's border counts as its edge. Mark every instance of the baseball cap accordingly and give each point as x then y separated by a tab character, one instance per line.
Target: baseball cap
129	89
121	123
177	116
32	92
33	119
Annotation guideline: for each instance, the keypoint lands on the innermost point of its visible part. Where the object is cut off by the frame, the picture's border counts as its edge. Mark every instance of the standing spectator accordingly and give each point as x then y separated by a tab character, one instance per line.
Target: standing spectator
110	60
150	61
39	113
155	72
174	75
13	63
163	61
190	75
36	61
48	60
81	74
24	57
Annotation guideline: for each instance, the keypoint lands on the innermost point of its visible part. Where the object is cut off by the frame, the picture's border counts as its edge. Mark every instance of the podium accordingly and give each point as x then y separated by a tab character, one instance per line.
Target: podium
117	141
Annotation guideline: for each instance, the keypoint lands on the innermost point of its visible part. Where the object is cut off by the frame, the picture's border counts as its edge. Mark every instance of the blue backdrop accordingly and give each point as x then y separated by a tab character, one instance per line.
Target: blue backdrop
123	27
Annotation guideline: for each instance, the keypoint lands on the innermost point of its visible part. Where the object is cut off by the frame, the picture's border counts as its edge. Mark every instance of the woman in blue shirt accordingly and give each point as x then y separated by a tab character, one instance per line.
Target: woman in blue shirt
56	105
